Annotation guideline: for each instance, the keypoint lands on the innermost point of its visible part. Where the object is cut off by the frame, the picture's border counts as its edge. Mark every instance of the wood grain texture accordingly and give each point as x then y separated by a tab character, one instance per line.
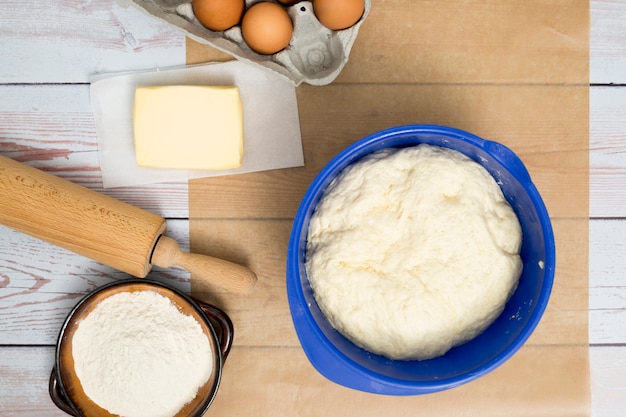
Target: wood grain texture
35	273
31	364
40	283
49	126
607	52
608	367
136	41
69	41
607	290
77	218
607	144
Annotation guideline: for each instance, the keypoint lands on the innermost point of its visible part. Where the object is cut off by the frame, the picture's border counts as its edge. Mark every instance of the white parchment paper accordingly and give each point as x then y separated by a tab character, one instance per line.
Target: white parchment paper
272	137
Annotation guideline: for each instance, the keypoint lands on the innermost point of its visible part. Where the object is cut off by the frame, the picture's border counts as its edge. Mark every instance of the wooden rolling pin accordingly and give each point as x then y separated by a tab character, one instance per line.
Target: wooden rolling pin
102	228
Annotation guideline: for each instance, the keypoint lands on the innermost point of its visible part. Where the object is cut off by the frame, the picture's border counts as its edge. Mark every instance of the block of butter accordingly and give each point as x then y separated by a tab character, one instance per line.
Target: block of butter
188	127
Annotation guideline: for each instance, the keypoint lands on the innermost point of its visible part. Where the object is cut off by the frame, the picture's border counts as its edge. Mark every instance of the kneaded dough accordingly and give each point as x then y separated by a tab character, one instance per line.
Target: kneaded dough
413	251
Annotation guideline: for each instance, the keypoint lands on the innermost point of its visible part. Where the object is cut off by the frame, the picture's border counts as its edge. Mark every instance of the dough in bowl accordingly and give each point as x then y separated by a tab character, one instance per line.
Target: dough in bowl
413	251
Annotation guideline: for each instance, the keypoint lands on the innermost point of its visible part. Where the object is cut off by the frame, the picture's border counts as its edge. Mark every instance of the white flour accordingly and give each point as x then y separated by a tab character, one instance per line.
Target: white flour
137	355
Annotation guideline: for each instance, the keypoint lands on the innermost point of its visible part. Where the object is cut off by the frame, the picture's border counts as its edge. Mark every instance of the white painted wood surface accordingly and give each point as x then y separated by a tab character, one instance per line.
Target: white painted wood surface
45	120
67	41
607	55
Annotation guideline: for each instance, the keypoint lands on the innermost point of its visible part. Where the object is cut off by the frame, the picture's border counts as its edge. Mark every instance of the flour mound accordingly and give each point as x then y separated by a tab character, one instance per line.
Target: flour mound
411	252
137	355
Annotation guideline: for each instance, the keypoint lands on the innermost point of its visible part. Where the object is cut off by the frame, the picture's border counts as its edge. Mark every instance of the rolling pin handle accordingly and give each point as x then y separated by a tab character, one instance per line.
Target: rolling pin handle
228	275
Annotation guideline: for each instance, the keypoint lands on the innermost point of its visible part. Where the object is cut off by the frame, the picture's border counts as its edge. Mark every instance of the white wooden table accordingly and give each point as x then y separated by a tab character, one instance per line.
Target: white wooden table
46	121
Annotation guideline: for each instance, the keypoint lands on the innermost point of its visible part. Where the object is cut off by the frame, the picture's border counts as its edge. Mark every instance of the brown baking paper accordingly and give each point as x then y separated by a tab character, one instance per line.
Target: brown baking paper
515	72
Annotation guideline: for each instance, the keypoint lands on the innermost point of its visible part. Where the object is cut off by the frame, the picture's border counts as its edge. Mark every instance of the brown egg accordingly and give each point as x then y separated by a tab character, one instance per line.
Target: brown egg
338	14
266	27
289	2
218	15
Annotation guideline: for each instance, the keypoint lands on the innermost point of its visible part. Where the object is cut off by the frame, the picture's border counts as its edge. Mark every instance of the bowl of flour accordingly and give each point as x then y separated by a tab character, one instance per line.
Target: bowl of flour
140	348
421	258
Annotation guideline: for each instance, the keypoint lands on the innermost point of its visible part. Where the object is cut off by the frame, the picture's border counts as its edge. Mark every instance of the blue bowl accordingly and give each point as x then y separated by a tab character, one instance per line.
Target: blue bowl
344	363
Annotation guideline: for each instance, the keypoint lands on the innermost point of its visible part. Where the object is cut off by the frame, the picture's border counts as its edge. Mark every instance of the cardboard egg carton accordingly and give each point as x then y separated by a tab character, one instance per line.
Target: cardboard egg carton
316	55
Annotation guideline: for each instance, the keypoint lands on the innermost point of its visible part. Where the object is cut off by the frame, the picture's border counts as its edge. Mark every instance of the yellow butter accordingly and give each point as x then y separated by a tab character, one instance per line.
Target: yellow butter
188	127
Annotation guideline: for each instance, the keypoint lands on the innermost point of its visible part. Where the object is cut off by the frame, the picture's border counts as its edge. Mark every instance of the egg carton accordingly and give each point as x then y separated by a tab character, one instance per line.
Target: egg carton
316	55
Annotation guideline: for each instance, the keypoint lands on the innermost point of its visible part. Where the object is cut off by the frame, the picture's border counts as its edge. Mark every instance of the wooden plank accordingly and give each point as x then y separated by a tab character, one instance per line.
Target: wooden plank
607	289
65	42
126	39
24	373
607	148
24	260
607	246
608	385
607	54
24	376
40	283
52	128
35	122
